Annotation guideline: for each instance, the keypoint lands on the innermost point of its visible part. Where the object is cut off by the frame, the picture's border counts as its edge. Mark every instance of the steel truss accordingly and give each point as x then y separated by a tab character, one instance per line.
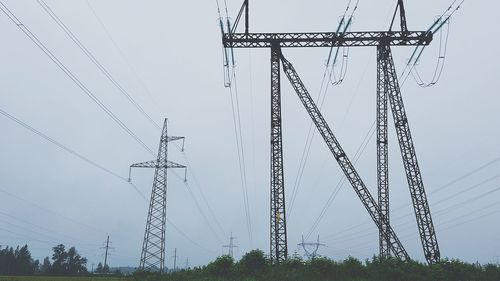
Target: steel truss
326	39
382	155
278	245
153	246
343	161
387	90
413	175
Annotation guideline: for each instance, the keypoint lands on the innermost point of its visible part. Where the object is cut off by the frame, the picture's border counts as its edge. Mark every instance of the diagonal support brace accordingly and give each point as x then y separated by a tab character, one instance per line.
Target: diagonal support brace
344	162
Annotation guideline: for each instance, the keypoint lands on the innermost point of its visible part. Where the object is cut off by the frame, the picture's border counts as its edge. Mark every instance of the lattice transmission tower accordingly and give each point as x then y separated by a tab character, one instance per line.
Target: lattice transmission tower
311	248
388	95
153	246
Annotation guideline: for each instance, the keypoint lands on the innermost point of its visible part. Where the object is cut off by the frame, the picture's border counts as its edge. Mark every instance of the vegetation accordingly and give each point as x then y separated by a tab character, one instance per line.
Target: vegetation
61	278
20	262
17	262
254	266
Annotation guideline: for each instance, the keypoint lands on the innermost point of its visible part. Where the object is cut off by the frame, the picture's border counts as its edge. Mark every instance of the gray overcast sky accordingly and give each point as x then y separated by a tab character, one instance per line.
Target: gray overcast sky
49	196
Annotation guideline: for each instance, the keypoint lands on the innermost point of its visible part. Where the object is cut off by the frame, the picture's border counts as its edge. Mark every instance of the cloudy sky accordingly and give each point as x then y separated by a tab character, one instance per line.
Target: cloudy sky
167	55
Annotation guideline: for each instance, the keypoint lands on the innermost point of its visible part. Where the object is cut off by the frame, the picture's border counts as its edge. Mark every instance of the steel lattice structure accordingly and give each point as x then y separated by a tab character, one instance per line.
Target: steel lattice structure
387	92
153	246
413	174
278	251
382	153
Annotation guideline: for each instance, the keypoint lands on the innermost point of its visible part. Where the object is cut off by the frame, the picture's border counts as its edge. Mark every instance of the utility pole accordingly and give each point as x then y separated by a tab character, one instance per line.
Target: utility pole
231	245
175	259
388	93
107	248
187	263
153	246
106	254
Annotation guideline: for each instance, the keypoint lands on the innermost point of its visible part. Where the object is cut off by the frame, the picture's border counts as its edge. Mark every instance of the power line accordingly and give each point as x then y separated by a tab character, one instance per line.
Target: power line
124	57
96	62
200	190
439	189
93	163
70	74
60	145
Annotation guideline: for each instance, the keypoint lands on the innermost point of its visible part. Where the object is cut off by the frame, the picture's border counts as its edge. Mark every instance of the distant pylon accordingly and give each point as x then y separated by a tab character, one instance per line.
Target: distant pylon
231	245
153	247
311	254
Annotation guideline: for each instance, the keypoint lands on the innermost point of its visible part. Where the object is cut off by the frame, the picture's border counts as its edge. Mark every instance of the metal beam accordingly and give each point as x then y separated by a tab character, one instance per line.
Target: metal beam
413	174
279	250
326	39
344	162
382	153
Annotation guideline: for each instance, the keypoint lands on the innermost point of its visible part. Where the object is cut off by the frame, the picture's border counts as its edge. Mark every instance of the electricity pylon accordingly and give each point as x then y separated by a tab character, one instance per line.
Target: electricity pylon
388	92
311	254
153	246
231	245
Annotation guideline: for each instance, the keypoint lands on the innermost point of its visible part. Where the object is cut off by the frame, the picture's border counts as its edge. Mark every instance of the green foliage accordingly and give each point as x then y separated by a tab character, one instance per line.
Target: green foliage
222	266
65	262
252	263
254	266
17	262
61	278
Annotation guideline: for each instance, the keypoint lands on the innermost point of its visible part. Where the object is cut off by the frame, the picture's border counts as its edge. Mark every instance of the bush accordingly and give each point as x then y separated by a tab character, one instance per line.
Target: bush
222	266
253	262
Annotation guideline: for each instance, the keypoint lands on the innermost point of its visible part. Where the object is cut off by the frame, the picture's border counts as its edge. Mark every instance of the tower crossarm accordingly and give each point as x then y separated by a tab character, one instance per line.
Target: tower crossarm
155	164
326	39
344	162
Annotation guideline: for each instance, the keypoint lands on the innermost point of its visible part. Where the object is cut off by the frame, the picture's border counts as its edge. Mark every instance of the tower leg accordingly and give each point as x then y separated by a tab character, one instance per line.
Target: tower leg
382	154
413	175
278	239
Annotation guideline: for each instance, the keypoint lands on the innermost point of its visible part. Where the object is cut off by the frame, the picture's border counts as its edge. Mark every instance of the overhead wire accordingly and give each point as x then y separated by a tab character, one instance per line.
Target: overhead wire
437	213
344	26
198	206
95	61
320	99
414	60
202	193
342	181
81	157
60	145
70	75
332	195
125	59
230	82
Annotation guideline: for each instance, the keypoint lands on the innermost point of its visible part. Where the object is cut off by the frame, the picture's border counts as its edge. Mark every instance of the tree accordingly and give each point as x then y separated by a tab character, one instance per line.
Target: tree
46	267
17	262
67	263
59	258
99	268
75	263
253	262
221	266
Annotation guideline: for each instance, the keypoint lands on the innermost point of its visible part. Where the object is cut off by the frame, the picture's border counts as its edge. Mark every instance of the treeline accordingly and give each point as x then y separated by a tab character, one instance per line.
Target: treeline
19	262
254	266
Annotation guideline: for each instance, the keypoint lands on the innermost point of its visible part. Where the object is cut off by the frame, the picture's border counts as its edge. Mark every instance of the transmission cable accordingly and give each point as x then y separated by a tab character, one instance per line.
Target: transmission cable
60	145
70	75
94	60
125	59
81	157
311	131
229	65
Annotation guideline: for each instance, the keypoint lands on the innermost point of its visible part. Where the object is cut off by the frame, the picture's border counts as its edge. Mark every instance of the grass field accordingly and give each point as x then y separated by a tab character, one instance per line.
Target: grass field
60	278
